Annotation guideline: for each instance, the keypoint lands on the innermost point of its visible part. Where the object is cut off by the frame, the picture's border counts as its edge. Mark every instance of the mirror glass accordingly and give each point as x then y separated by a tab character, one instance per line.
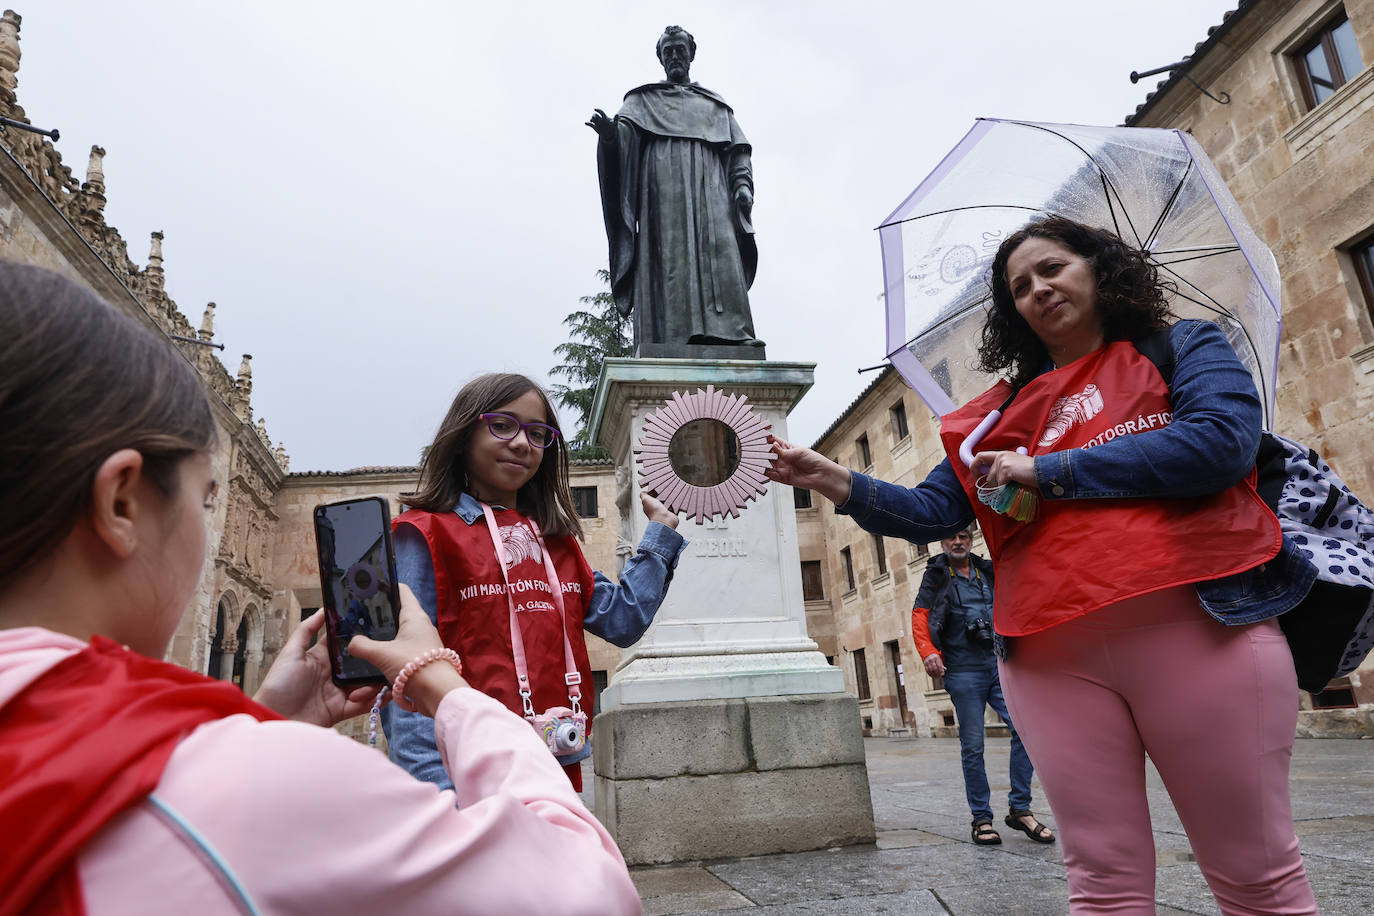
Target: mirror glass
704	452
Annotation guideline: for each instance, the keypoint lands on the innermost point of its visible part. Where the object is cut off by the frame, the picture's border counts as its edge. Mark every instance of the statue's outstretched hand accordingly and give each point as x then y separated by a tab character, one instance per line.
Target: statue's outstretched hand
602	123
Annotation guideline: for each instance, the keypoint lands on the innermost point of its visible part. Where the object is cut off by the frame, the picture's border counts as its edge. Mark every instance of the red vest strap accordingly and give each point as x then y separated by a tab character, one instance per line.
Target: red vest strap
83	742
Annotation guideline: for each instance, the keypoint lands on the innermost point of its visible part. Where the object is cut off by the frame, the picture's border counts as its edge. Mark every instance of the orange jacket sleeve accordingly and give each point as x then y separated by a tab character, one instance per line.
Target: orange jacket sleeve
920	632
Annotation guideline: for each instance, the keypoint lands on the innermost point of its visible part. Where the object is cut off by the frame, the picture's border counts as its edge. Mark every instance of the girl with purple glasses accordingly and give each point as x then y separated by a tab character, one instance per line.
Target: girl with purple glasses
489	546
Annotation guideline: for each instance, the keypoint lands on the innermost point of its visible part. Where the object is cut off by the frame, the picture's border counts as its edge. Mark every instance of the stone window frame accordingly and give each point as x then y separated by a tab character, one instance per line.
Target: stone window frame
861	685
580	503
1322	37
847	565
864	451
813	585
1313	126
1357	264
879	556
901	429
1361	254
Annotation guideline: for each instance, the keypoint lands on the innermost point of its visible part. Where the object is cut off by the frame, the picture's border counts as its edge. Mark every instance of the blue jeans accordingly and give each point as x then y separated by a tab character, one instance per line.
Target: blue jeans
971	691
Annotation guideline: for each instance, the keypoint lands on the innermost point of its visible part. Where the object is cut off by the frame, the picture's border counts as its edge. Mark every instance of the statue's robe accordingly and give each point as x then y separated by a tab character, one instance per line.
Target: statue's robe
682	259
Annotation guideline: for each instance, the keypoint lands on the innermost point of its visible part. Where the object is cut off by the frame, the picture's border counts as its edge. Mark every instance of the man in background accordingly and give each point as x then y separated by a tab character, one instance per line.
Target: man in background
951	623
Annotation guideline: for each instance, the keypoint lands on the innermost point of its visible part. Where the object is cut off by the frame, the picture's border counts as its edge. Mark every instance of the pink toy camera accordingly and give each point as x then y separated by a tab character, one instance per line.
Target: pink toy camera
563	730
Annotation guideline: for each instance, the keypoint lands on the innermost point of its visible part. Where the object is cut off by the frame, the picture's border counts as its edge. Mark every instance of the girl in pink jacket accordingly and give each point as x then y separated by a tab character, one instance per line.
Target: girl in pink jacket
128	785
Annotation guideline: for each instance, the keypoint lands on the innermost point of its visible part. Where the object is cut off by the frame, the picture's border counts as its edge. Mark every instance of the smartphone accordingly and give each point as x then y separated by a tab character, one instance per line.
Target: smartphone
358	581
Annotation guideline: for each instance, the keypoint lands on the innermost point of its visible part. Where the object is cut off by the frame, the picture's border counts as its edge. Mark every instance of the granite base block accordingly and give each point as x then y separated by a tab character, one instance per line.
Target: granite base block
1336	723
736	814
681	781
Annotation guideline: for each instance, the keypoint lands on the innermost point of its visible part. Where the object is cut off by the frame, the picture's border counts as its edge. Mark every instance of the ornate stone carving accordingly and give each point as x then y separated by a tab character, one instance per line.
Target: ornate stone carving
92	197
207	318
251	478
227	536
9	61
241	399
253	553
624	542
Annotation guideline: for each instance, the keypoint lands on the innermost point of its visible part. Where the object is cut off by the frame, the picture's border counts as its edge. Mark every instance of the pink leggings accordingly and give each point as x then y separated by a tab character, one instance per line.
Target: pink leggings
1215	707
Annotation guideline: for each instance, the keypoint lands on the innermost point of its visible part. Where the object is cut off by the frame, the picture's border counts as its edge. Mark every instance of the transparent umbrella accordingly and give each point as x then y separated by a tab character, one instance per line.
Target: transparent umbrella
1154	188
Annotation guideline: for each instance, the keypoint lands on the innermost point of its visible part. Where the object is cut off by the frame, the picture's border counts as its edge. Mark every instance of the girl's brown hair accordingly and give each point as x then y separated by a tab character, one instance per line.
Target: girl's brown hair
443	473
78	382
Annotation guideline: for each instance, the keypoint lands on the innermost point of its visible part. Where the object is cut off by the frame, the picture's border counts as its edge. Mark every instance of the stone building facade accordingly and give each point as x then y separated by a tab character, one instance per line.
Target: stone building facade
1301	164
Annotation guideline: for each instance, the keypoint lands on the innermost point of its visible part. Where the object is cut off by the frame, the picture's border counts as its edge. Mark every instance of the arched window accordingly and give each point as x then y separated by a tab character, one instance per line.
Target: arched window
216	654
240	652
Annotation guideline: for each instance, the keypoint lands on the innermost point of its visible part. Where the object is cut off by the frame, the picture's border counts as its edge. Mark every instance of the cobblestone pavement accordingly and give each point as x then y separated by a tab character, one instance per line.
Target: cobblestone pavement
923	863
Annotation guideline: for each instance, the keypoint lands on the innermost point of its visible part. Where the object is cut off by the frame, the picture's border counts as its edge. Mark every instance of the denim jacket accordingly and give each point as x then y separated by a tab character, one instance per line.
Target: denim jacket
1210	445
618	613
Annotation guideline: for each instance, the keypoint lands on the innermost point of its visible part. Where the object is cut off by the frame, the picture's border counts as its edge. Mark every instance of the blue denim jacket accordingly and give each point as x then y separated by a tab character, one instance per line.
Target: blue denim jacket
618	614
1210	445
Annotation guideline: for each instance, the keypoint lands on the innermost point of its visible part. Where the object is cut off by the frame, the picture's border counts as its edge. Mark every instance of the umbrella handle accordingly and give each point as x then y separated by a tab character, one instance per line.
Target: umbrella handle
971	441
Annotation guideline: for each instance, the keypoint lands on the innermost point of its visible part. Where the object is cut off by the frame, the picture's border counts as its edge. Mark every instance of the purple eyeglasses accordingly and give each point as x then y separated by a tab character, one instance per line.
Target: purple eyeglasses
504	426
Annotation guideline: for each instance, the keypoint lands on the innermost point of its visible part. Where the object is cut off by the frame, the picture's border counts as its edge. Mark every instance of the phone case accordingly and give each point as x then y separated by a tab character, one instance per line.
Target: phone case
359	593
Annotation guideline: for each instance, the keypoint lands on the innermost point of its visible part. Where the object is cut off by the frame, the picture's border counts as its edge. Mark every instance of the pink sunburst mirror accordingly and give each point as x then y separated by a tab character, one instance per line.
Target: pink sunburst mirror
704	454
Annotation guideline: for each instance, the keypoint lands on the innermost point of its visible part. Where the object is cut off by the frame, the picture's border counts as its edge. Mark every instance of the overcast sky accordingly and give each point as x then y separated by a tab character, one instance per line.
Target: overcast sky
386	199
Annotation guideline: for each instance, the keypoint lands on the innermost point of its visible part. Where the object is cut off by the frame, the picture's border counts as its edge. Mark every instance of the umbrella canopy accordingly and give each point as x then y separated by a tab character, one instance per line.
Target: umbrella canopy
1154	188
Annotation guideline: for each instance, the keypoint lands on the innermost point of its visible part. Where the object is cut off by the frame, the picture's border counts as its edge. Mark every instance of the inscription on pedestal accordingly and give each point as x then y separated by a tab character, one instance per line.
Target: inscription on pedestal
719	547
718	543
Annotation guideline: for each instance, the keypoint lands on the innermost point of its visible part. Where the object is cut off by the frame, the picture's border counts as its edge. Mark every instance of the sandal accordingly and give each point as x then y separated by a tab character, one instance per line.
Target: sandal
1040	833
984	835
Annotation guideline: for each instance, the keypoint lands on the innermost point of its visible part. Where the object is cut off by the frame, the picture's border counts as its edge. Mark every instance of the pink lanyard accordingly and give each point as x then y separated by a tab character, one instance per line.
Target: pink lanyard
522	678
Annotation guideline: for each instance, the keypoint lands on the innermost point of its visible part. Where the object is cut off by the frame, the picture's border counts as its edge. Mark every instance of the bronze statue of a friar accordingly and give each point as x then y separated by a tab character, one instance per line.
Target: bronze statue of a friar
677	193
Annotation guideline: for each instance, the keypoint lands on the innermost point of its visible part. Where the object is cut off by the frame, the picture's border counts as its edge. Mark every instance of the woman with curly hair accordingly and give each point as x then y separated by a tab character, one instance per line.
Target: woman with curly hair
1136	608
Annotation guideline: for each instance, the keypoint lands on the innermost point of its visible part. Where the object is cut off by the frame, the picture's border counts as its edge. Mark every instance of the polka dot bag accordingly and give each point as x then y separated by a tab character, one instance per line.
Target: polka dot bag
1329	524
1332	630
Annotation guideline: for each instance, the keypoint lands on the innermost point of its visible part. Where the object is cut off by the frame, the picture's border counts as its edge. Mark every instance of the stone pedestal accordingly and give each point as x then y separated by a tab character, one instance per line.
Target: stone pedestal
724	732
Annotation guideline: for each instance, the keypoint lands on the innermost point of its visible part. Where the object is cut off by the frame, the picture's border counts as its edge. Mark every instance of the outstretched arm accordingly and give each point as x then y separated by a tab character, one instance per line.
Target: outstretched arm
935	508
620	612
798	466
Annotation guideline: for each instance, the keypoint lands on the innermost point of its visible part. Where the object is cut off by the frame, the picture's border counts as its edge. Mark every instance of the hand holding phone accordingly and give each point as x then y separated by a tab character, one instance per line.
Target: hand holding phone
427	686
299	685
358	582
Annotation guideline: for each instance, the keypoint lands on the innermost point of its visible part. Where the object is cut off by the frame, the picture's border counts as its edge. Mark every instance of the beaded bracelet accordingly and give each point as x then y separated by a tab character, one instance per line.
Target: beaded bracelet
398	689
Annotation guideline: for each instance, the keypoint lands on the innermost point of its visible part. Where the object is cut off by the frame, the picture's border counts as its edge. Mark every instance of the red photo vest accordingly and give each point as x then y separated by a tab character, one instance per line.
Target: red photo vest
85	741
1079	555
474	618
